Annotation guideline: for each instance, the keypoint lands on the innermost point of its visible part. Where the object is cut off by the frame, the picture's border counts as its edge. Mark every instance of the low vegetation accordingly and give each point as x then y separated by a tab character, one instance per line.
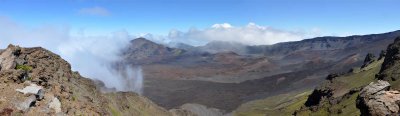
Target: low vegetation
24	67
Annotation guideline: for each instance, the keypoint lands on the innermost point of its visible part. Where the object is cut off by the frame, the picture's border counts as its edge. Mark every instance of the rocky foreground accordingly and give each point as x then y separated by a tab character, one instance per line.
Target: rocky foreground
35	81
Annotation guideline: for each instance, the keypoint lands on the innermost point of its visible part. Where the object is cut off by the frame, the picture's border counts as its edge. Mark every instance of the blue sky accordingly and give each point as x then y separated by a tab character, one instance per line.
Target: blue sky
331	17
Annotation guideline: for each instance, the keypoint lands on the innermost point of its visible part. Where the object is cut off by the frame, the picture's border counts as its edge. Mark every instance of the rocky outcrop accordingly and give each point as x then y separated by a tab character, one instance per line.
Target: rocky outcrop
390	67
368	59
377	99
7	57
382	54
318	95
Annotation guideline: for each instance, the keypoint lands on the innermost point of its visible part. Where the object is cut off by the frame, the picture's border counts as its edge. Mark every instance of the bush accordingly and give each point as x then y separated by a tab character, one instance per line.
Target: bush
24	67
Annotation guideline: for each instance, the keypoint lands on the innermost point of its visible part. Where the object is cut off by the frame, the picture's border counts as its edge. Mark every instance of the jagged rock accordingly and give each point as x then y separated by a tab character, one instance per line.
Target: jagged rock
332	76
7	57
368	59
390	67
377	100
382	54
318	95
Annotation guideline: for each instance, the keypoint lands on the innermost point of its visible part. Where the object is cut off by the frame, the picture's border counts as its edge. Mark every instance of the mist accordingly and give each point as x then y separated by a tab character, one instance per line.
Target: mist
93	57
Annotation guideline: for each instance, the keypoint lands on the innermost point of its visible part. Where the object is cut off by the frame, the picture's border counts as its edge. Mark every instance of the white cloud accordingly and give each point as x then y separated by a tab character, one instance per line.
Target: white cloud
223	25
251	34
90	55
96	11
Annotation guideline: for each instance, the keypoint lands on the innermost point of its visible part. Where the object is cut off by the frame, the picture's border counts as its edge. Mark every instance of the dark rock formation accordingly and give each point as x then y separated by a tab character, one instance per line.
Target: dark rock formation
382	54
390	67
318	95
377	100
332	76
369	59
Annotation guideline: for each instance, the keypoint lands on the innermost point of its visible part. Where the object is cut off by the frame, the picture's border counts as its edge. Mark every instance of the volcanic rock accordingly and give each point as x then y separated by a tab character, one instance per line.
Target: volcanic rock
7	57
369	59
25	106
390	67
377	100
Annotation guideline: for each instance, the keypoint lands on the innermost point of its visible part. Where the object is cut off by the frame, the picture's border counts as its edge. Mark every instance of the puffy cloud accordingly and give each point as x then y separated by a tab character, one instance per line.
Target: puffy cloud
96	11
251	34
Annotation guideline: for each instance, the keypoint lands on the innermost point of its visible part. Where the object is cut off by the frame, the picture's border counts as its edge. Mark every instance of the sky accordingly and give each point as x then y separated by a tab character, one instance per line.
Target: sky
159	17
89	34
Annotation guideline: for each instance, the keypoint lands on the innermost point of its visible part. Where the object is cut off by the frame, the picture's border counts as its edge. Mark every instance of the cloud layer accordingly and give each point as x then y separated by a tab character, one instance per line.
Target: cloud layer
92	56
95	11
251	34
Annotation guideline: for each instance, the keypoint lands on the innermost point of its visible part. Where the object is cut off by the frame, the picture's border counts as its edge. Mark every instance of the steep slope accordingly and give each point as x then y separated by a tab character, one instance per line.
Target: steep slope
35	81
358	92
335	96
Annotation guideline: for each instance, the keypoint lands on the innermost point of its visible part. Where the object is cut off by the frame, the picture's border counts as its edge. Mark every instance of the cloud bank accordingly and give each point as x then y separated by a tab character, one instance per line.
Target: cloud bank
92	56
251	34
95	11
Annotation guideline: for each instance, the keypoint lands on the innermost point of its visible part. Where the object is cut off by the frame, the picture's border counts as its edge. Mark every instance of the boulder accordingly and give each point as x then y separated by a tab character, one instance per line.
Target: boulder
55	105
27	103
377	100
31	89
8	56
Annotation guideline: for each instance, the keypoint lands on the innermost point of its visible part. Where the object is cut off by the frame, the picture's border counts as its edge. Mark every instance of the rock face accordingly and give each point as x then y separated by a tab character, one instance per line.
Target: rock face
377	99
7	58
369	59
390	68
318	95
35	81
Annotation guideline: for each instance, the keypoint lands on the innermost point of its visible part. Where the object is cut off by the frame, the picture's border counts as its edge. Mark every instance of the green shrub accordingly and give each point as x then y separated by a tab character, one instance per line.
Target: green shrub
24	67
74	98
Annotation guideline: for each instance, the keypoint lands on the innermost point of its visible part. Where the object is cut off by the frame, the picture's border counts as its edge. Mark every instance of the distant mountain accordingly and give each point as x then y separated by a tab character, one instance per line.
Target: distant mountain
181	46
244	71
327	47
223	46
143	51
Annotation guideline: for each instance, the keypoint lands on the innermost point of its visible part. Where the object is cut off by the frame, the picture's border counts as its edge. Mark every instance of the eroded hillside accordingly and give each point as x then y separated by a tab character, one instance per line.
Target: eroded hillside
371	89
